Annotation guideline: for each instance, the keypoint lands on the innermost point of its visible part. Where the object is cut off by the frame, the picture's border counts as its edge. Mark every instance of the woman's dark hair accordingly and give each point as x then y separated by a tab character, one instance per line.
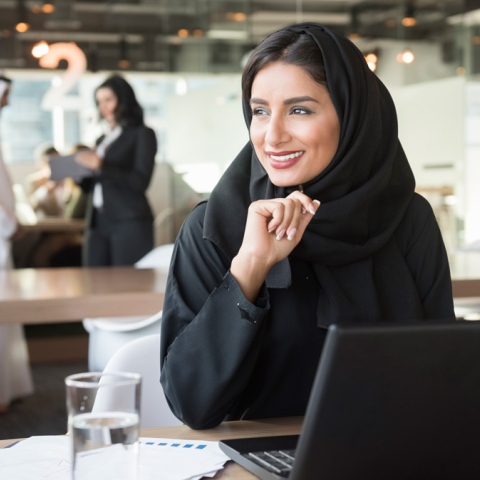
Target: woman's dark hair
51	150
288	47
128	111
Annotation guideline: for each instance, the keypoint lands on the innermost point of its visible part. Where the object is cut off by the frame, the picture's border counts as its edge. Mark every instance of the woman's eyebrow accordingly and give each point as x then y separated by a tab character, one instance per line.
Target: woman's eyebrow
258	101
305	98
288	101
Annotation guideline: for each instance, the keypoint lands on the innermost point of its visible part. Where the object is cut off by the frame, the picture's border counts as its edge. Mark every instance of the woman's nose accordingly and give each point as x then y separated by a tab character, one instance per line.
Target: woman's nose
277	131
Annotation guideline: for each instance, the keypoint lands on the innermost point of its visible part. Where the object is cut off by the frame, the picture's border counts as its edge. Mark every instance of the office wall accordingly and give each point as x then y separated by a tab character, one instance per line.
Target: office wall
471	170
205	130
431	118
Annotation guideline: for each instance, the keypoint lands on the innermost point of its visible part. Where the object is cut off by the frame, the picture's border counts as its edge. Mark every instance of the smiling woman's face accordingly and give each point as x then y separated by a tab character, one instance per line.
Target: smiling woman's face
107	104
295	128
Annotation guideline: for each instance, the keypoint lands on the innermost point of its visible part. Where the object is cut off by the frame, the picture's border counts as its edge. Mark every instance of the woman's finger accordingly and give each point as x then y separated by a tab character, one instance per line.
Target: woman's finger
291	217
295	209
308	204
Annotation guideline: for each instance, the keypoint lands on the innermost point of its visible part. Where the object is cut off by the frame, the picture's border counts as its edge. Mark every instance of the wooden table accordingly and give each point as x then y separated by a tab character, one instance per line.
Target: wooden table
52	295
240	429
465	271
466	288
55	224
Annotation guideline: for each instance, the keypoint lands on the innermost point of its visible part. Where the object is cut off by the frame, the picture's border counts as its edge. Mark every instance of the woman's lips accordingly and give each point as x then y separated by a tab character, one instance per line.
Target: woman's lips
284	159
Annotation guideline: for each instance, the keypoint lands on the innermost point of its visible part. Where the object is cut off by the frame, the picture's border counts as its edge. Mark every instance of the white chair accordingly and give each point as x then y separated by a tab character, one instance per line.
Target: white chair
159	257
142	356
108	334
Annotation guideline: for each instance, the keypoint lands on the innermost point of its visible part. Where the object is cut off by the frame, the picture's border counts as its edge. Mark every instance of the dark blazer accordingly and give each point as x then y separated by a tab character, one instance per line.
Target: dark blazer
125	175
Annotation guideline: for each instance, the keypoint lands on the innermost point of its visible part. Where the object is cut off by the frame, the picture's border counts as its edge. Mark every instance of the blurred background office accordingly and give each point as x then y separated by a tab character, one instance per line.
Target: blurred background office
184	60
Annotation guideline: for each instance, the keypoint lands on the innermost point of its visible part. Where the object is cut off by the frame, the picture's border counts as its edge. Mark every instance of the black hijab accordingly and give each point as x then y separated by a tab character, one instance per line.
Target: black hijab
364	192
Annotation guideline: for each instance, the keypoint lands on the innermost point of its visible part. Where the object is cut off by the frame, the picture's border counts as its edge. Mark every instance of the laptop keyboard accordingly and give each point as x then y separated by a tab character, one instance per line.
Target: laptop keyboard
276	461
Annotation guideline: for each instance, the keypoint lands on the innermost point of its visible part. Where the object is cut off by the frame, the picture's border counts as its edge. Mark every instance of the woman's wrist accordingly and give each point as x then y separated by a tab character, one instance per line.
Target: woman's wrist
250	273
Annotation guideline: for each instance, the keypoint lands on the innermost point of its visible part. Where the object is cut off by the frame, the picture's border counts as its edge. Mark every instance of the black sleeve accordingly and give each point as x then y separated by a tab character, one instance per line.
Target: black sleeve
427	259
210	333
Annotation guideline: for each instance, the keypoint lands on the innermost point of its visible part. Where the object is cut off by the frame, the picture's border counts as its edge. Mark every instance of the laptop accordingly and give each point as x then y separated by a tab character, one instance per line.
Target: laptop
388	402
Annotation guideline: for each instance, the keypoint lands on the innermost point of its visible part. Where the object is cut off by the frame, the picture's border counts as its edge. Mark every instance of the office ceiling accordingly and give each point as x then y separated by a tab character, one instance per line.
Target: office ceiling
201	35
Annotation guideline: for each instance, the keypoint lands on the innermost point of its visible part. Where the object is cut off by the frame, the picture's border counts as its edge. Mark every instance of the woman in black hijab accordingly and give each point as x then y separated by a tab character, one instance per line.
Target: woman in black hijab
263	268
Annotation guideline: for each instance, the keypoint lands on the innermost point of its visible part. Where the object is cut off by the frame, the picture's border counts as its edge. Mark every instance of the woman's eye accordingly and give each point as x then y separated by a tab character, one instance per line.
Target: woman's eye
259	111
300	111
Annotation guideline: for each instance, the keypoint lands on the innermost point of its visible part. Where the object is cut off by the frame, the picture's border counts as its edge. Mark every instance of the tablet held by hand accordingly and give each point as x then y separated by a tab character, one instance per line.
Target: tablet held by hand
65	166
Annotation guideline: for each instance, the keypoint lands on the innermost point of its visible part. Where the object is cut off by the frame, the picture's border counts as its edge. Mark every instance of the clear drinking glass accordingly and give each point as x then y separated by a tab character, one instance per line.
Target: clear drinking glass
103	423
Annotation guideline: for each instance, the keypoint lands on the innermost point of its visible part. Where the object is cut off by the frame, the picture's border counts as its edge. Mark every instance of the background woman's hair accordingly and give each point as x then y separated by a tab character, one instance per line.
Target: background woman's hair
128	112
288	47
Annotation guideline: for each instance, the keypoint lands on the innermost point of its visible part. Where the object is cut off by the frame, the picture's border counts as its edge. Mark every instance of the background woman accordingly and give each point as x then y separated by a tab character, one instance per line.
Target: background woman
263	268
120	220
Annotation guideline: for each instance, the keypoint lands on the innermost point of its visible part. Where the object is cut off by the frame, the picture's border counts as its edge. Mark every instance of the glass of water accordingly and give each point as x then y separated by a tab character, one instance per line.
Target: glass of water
103	423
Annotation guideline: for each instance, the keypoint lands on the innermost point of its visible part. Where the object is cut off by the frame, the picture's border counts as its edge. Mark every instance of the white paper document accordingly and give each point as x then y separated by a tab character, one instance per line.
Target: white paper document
48	457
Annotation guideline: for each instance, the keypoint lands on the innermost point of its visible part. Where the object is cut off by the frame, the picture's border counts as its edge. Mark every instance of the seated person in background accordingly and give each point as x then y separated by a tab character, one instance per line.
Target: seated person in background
59	199
42	173
262	268
45	195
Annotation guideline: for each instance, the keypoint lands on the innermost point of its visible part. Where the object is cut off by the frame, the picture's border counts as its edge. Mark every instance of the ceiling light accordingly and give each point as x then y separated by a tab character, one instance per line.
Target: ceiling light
43	7
22	25
408	22
406	56
390	23
123	61
408	19
48	7
354	27
236	16
371	58
40	49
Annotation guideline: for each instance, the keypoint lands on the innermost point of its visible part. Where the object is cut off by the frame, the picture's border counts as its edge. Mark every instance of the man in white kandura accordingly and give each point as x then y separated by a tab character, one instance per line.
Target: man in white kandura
15	374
